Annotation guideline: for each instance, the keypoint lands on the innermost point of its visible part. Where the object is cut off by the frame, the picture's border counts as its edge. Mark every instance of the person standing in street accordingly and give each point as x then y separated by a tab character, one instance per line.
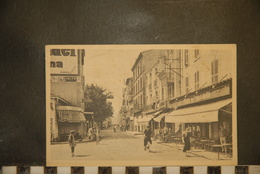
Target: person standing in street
72	142
187	144
114	128
147	138
222	138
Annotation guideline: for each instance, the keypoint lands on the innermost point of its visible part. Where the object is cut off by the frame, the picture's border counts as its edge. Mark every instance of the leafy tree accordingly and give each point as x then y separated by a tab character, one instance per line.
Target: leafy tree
99	105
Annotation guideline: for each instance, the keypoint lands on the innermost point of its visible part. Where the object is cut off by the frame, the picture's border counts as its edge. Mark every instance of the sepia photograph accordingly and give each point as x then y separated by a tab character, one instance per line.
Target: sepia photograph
141	105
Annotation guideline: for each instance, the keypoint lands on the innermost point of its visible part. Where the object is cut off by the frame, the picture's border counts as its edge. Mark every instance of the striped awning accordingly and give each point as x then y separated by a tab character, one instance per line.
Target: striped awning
70	114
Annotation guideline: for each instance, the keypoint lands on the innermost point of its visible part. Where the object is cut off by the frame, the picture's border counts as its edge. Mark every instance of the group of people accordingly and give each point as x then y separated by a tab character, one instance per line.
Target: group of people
148	140
93	133
162	134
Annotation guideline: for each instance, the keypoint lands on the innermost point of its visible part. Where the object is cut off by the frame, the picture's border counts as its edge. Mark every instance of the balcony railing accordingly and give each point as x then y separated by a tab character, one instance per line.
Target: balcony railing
137	107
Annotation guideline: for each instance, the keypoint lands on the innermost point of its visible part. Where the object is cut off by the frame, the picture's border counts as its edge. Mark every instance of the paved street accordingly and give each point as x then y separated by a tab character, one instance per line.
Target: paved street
126	146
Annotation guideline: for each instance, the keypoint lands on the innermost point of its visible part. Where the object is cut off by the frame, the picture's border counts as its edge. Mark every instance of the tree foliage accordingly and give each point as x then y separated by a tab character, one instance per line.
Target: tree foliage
99	105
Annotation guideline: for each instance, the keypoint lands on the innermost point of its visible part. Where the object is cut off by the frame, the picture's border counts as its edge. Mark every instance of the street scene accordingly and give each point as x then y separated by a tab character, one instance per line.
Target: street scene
122	145
143	104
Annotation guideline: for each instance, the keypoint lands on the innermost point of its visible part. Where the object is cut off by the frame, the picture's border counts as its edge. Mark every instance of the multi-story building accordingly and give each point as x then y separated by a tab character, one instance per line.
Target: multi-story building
67	93
143	63
127	106
202	99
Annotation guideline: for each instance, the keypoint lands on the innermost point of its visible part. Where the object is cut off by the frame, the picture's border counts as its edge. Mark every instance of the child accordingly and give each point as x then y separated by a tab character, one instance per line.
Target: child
187	144
72	142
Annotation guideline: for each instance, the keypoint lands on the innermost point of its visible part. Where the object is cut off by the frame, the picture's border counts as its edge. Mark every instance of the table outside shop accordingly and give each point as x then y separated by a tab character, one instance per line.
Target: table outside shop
220	145
204	142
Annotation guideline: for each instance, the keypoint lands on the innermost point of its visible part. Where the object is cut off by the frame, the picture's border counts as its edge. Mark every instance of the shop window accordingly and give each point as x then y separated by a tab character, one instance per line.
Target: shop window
214	71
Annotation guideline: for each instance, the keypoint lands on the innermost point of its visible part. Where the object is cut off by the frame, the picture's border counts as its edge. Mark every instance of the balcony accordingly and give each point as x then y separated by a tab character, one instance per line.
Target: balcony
137	108
167	75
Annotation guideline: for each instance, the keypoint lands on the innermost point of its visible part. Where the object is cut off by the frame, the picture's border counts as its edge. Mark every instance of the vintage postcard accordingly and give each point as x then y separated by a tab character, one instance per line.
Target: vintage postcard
141	105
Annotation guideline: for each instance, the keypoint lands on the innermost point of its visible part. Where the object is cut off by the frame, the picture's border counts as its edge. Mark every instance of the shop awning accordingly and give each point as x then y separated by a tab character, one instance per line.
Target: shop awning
158	118
145	119
70	114
198	114
148	117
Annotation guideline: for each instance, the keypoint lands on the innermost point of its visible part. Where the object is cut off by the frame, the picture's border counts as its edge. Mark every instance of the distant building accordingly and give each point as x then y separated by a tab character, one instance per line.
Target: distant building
143	63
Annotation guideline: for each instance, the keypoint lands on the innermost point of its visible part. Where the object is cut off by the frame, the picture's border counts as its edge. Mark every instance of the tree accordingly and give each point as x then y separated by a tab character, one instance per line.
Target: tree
99	105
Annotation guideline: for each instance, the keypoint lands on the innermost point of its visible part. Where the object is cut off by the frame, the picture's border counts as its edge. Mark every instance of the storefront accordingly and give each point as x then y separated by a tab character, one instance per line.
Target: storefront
70	118
203	120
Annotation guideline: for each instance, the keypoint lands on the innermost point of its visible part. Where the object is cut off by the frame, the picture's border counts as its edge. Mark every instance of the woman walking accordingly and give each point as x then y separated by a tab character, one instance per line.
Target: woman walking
187	144
72	142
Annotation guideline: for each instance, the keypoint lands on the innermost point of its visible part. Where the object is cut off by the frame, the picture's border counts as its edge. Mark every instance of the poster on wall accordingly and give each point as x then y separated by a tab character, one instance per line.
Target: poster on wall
141	105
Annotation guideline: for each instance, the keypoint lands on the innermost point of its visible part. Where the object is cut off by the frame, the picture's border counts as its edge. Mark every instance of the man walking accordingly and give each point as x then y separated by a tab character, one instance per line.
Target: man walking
147	138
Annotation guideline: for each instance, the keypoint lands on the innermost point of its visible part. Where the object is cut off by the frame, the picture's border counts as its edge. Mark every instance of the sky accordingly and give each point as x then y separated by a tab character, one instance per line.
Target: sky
109	68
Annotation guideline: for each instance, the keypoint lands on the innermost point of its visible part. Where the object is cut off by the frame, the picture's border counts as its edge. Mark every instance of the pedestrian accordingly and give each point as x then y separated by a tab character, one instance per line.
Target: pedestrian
187	144
90	132
114	128
222	138
97	136
72	142
147	138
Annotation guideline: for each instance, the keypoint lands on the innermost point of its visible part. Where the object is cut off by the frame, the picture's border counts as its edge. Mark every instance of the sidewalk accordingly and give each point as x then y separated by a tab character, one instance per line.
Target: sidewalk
199	152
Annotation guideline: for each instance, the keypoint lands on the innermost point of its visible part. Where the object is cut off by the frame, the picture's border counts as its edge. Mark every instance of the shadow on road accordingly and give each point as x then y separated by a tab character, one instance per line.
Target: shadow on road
101	144
152	151
82	155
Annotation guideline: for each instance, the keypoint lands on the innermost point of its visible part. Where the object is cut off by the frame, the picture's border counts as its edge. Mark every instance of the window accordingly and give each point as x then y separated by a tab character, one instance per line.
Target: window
187	84
170	90
214	71
171	52
197	54
141	82
186	57
197	80
162	93
155	83
179	54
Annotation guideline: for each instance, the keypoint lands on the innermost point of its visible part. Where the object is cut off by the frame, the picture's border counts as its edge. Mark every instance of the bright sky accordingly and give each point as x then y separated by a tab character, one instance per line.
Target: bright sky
110	68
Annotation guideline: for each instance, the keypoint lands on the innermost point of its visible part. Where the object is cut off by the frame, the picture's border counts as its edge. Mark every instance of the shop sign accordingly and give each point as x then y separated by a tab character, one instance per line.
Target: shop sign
207	95
65	79
64	62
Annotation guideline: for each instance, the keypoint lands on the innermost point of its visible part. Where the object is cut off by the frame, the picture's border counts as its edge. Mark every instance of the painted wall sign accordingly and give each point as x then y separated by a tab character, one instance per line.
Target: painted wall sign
64	62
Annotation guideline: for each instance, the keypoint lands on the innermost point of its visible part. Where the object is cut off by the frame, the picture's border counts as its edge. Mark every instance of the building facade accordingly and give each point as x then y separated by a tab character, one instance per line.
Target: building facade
145	61
67	93
204	101
184	90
